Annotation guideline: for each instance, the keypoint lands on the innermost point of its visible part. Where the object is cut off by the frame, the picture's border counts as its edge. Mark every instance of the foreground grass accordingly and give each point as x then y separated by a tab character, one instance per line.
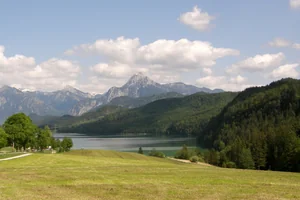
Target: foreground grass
9	155
115	175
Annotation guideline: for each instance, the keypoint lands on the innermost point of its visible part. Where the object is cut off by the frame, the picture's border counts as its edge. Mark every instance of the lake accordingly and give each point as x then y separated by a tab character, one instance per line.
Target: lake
130	144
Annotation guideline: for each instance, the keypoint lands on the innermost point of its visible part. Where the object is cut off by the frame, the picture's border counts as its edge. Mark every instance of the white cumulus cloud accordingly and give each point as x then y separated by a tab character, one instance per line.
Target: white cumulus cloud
257	63
207	71
237	83
23	71
285	71
182	53
162	59
295	4
279	42
296	46
197	19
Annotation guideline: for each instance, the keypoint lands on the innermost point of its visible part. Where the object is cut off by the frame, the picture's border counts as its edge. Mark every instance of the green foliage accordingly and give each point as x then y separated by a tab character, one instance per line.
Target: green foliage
3	138
246	160
20	129
23	134
261	126
194	159
212	157
68	121
174	116
66	144
44	138
155	153
141	151
230	165
183	153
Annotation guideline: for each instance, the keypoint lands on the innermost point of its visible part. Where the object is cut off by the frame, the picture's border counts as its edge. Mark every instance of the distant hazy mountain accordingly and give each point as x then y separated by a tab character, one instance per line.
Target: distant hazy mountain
75	102
137	86
56	103
13	101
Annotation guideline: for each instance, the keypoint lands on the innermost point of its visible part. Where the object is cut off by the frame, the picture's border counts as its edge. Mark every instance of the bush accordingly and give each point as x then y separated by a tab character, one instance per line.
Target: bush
66	144
194	159
141	151
183	153
212	157
230	165
155	153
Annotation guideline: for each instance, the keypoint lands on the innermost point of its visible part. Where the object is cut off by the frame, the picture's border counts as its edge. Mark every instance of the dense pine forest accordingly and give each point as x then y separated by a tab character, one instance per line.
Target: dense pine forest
259	129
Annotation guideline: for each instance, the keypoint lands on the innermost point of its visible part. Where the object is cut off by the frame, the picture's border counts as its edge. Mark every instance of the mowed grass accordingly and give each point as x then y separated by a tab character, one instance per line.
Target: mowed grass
88	175
9	155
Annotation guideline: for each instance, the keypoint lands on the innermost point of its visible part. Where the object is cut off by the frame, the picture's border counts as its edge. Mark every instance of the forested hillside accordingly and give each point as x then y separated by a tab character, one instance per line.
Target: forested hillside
67	120
260	128
174	116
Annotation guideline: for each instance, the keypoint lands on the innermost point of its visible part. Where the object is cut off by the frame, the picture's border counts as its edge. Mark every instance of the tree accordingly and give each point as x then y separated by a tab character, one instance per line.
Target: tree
20	129
155	153
67	144
44	138
246	160
53	143
141	151
3	138
183	153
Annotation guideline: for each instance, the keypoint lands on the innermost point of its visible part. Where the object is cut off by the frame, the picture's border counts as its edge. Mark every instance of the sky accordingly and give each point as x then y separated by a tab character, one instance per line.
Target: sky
96	44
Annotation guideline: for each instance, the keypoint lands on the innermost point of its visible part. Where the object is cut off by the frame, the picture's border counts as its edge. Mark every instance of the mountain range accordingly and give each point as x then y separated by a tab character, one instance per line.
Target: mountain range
137	91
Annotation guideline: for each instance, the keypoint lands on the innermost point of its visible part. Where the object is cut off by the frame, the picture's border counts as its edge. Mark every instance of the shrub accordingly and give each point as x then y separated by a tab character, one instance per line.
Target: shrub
155	153
194	159
183	153
141	151
230	165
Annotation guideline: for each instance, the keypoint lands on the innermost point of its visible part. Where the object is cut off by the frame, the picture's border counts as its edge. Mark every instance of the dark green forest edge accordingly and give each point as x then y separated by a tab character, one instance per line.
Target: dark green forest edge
259	129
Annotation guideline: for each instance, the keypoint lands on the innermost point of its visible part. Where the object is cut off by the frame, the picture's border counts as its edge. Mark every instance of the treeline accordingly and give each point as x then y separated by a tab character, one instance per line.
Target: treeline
19	132
172	117
259	129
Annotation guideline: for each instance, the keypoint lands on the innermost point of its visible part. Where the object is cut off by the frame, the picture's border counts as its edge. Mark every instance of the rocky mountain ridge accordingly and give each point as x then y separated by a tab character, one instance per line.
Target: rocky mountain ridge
72	101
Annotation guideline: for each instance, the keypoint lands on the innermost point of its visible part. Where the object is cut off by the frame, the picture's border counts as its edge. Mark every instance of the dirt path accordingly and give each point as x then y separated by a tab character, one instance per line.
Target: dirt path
11	158
187	161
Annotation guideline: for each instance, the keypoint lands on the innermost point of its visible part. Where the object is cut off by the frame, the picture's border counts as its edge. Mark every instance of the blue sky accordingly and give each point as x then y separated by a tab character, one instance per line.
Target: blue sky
45	30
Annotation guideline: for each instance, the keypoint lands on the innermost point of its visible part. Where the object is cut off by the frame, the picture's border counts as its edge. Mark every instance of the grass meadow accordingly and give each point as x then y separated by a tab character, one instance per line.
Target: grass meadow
97	174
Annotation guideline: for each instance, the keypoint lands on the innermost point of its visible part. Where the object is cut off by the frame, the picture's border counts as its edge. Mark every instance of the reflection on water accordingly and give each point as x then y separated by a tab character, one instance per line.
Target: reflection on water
127	144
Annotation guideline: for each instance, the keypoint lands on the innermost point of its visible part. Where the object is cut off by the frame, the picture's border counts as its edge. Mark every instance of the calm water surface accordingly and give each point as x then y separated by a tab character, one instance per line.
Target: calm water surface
167	145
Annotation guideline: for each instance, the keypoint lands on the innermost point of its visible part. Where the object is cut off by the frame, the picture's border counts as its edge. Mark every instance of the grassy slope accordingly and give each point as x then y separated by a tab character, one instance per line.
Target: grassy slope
114	175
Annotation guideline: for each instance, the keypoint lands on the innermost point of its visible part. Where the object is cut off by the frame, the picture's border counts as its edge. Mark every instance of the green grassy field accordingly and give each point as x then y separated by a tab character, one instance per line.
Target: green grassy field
8	155
115	175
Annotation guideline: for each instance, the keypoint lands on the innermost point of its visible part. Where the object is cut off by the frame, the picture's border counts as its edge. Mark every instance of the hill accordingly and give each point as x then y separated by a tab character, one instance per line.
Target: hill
260	128
66	120
173	116
110	175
